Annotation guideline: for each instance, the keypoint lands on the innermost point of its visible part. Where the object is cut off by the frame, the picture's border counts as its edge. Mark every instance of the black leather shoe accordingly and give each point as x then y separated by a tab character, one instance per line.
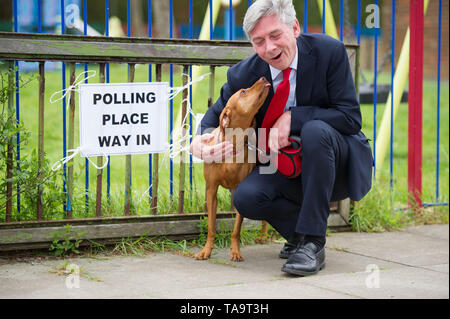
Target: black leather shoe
291	245
307	260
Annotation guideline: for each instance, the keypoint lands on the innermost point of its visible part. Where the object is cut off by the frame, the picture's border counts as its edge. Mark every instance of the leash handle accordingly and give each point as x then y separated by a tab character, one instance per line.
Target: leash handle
296	141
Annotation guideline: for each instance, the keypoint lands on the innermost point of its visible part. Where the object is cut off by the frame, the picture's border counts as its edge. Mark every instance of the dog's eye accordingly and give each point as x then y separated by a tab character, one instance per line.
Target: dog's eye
243	92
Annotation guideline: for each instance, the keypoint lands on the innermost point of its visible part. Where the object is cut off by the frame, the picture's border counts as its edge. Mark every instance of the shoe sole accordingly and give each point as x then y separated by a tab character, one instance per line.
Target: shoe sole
302	273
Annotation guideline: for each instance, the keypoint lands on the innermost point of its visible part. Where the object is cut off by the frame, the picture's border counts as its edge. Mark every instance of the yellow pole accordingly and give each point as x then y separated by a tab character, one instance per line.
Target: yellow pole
204	35
400	77
205	32
330	25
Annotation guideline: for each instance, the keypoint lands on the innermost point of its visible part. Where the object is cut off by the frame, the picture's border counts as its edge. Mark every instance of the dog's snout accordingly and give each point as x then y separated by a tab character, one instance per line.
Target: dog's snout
264	82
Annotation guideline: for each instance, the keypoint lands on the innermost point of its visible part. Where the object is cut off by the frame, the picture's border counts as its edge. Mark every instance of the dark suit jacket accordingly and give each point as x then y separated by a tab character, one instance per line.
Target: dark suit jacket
325	91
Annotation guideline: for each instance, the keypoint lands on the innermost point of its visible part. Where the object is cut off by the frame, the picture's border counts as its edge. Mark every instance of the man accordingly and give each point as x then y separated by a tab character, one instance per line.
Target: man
322	108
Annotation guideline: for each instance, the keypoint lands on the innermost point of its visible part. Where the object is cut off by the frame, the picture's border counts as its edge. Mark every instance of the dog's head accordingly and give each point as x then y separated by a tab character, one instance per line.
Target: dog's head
243	105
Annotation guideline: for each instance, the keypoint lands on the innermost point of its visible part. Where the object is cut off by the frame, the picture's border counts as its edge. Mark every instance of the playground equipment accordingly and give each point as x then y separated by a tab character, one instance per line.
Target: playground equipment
404	67
209	22
401	74
328	24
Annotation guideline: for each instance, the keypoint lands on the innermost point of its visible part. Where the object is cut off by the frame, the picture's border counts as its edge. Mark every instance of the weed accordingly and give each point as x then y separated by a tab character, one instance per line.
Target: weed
385	209
69	243
66	270
145	244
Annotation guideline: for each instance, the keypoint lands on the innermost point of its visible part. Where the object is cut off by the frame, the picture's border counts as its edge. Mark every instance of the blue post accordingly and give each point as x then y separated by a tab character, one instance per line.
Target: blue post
86	161
375	67
128	18
191	17
391	155
108	167
150	157
358	25
305	18
231	19
16	65
323	17
63	75
191	36
107	19
171	101
341	20
210	19
229	23
39	14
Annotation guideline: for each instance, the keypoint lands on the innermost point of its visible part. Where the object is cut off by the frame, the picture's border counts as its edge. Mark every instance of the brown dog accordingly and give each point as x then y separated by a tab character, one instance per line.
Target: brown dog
238	115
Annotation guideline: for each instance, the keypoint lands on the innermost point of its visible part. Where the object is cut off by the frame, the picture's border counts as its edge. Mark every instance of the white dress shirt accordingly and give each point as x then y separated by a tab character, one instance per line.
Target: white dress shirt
277	77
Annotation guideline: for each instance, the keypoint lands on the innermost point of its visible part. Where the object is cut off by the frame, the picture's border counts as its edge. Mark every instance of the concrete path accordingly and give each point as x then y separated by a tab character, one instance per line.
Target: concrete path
413	263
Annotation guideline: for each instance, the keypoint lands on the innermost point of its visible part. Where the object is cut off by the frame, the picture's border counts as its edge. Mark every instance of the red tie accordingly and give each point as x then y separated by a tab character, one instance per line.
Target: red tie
276	108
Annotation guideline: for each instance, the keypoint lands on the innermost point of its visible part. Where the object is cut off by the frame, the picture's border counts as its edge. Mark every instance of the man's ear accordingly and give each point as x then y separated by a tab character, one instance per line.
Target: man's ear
297	29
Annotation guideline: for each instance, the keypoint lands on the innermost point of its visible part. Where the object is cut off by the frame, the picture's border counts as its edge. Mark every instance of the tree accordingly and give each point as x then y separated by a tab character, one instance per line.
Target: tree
136	18
161	21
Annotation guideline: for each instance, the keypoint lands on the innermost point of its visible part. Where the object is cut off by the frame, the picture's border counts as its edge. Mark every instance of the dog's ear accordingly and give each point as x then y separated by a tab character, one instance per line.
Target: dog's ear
225	117
224	120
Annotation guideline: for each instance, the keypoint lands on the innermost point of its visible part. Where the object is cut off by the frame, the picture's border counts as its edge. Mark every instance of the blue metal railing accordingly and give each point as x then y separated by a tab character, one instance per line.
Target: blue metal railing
64	115
16	65
438	111
375	68
108	167
438	108
150	157
171	101
324	17
86	161
230	32
305	16
391	143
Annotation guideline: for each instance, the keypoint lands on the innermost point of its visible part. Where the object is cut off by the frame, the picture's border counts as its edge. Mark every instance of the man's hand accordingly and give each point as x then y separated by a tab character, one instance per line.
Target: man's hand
279	133
210	153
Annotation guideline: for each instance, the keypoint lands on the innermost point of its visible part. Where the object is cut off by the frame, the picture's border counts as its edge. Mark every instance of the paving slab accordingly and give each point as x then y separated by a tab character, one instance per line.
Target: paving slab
412	263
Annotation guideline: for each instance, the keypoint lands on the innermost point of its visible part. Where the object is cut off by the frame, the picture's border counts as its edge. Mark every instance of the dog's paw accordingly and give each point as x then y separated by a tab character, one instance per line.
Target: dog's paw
203	255
236	256
261	239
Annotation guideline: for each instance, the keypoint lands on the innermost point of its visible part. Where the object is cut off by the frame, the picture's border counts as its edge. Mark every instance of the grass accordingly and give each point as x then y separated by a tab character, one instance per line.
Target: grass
386	207
379	210
67	269
113	206
144	245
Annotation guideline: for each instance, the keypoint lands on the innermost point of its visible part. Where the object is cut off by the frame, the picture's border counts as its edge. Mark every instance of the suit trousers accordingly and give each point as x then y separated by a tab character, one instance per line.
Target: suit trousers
299	204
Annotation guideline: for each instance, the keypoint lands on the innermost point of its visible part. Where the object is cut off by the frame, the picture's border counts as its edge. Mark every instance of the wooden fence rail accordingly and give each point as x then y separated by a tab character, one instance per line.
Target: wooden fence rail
101	50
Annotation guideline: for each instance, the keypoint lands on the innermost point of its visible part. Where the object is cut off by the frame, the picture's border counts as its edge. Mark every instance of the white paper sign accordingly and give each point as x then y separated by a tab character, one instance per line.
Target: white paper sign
123	118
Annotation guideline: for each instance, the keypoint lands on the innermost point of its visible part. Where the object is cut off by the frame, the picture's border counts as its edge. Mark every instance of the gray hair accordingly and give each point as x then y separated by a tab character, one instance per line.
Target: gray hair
284	9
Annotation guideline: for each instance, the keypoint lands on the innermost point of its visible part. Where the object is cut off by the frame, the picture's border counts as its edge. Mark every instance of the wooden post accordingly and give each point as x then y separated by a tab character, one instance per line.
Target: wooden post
41	136
183	143
98	202
155	159
212	69
9	155
70	144
128	157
